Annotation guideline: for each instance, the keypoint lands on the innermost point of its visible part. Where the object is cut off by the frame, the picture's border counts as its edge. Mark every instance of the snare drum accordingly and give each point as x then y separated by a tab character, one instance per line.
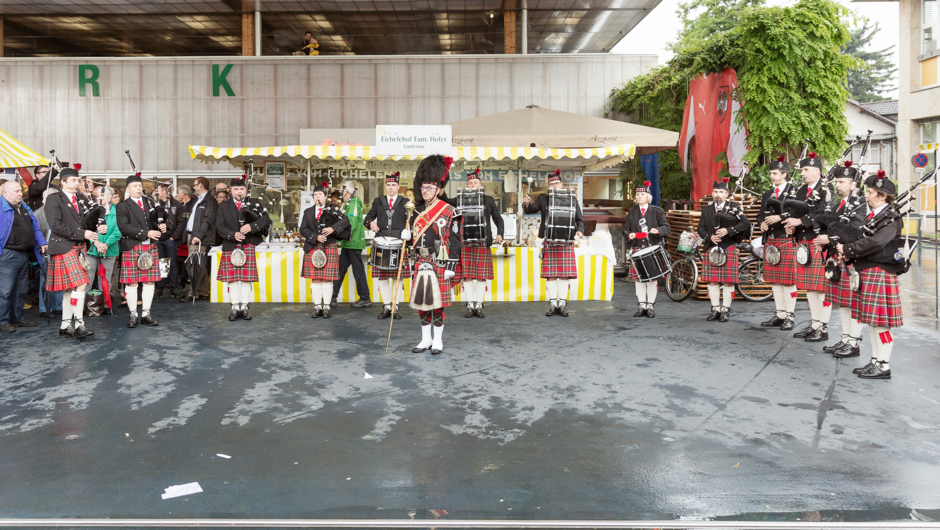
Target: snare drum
651	263
386	252
561	222
470	203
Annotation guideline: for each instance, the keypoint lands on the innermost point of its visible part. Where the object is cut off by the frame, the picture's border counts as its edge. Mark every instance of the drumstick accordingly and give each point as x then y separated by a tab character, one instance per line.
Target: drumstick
409	207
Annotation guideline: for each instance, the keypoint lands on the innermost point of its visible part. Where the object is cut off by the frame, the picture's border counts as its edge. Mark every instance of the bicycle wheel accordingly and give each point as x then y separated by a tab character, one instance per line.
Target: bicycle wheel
681	282
751	284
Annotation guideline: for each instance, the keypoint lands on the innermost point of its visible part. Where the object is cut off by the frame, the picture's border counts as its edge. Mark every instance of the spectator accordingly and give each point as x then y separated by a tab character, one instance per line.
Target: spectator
44	228
105	250
41	179
118	193
184	195
200	228
310	45
336	199
168	241
221	196
409	194
350	253
19	234
221	186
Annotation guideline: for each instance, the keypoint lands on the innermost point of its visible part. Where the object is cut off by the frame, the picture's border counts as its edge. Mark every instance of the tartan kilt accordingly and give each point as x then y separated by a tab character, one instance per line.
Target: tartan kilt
129	271
64	272
330	271
878	301
446	286
246	273
811	277
839	293
727	273
559	261
784	273
476	263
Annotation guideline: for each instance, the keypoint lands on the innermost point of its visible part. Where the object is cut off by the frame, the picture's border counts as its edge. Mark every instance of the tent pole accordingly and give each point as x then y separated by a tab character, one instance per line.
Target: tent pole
519	209
308	174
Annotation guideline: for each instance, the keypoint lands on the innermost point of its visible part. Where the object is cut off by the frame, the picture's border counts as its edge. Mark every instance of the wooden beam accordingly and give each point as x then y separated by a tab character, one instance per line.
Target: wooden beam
509	32
248	34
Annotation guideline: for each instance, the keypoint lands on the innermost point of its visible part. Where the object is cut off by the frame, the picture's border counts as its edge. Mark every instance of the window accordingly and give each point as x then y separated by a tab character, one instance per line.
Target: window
929	134
930	27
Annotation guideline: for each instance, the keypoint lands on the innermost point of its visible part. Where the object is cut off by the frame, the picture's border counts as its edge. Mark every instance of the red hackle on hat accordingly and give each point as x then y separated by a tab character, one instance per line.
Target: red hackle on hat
781	158
476	171
647	183
726	180
881	174
325	184
848	164
77	167
812	156
558	172
448	161
137	174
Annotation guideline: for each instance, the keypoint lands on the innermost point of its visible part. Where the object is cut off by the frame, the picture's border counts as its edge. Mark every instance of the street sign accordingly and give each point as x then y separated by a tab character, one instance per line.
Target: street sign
920	160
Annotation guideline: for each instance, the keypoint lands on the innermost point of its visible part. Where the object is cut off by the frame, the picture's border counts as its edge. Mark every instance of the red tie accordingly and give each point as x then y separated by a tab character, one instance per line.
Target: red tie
841	204
872	214
642	212
140	204
75	204
776	193
391	202
319	211
239	205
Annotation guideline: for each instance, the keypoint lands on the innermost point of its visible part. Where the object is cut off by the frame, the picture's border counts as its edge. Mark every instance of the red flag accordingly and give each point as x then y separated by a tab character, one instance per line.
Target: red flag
105	288
25	175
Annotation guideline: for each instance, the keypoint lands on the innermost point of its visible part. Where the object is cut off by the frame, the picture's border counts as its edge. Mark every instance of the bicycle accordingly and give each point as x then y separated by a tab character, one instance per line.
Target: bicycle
683	280
751	274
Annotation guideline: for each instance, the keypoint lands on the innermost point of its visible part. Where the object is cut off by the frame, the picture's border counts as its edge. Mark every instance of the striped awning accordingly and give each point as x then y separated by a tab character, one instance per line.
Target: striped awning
923	148
364	152
14	154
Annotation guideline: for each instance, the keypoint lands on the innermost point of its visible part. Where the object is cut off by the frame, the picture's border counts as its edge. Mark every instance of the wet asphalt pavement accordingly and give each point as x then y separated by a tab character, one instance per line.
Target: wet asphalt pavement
597	416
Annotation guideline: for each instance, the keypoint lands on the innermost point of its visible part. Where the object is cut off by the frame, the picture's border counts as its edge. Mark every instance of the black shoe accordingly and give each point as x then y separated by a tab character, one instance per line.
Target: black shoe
819	335
725	315
714	315
332	303
470	311
479	311
386	312
361	303
7	328
551	310
68	333
25	324
774	322
858	370
876	373
837	347
437	352
132	320
419	350
562	309
158	294
185	298
317	312
787	325
853	351
805	332
397	315
81	332
245	314
43	315
649	312
148	320
326	312
234	315
641	312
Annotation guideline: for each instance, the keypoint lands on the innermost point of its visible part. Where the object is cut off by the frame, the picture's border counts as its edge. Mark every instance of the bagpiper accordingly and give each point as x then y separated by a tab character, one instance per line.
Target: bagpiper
387	218
67	262
141	229
321	227
810	266
435	231
476	260
644	226
721	226
241	222
876	260
779	250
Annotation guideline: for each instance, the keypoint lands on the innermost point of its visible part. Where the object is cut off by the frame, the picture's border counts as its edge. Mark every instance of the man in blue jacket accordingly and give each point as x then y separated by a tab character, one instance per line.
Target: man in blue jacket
19	234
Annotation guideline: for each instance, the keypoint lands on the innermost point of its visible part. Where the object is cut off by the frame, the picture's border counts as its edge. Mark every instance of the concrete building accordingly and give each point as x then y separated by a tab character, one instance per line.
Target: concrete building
883	153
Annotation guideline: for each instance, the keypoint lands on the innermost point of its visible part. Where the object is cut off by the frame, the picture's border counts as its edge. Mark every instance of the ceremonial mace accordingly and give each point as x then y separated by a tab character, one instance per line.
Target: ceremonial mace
409	208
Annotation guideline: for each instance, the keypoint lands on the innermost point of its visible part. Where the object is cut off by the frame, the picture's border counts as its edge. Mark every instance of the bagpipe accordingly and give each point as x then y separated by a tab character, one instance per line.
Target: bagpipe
817	192
856	199
776	206
158	214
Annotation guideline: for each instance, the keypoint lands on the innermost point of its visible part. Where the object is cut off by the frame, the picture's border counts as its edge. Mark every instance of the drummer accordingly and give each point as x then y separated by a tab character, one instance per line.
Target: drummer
721	278
476	261
388	218
559	264
645	226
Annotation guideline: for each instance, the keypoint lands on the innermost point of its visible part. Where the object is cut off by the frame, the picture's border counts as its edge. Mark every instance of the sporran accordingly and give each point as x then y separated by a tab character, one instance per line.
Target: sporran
238	257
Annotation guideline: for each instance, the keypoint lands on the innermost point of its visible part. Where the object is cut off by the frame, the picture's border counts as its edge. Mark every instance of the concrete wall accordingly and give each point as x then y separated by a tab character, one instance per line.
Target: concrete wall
157	107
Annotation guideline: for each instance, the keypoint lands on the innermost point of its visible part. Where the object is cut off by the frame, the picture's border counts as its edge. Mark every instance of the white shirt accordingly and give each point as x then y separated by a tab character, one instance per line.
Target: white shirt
877	210
779	192
192	216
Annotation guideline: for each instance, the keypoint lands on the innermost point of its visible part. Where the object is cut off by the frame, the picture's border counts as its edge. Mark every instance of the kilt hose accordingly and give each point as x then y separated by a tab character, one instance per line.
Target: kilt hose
727	273
446	286
246	273
839	293
784	273
328	272
878	301
811	277
64	272
130	273
559	261
476	262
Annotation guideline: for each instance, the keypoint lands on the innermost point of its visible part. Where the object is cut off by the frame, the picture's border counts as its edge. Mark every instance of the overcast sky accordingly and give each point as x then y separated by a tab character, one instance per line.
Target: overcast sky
661	26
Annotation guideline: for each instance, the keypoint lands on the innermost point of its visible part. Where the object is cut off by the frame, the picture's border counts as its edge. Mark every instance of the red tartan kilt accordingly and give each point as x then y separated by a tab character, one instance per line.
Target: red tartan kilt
446	286
812	277
784	273
129	271
64	273
330	271
839	293
246	273
559	261
878	301
727	273
476	263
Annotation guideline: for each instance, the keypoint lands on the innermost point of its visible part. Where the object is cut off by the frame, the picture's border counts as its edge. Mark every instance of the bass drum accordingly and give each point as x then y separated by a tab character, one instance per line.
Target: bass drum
386	253
470	203
562	208
651	263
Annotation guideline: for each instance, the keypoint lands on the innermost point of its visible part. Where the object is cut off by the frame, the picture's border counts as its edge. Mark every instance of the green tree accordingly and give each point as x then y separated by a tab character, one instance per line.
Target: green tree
877	73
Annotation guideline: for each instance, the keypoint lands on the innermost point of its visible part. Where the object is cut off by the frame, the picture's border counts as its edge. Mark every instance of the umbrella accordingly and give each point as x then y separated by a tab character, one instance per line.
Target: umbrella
105	287
196	268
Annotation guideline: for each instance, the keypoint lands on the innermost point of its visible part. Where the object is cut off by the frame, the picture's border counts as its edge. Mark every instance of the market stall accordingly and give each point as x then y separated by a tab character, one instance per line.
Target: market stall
14	155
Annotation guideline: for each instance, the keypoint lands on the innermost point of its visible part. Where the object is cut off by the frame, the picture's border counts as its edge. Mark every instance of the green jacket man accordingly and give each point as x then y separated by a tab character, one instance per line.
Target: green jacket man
350	253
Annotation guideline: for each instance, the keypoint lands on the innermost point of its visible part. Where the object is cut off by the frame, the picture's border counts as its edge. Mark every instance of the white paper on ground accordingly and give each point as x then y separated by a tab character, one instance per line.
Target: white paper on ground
367	376
180	490
220	455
